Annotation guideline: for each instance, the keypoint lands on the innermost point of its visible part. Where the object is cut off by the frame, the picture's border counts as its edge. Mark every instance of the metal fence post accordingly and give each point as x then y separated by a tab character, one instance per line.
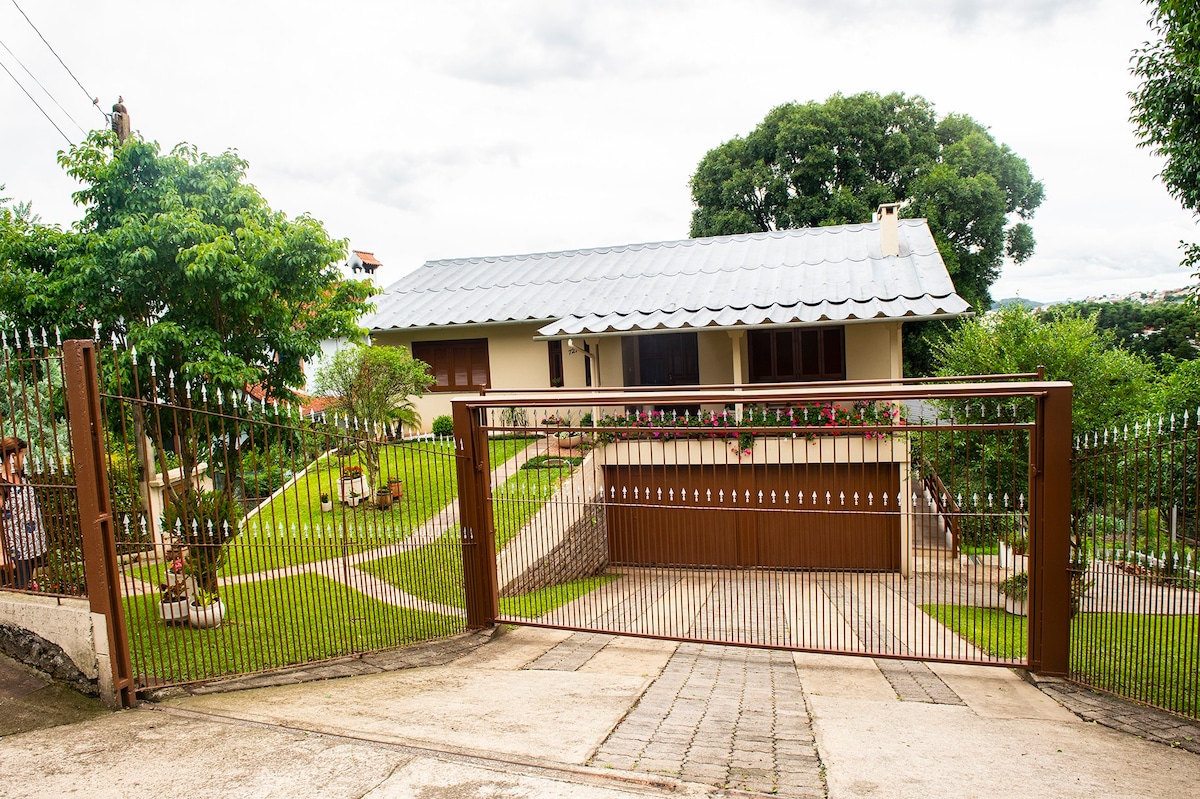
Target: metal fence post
475	518
101	567
1050	583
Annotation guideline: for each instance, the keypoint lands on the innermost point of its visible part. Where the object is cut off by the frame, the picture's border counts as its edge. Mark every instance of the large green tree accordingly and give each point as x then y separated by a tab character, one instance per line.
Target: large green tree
835	162
1166	105
178	255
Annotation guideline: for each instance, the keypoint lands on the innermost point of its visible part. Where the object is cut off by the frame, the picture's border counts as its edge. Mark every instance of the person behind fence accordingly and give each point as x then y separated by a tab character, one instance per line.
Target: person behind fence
21	521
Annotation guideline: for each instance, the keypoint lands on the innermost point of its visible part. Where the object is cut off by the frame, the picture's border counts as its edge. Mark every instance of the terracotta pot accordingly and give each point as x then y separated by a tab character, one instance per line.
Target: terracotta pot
397	489
383	498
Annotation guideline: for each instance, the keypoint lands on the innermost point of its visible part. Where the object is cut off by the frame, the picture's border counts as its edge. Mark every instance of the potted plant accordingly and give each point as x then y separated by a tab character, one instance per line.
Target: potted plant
326	503
173	593
566	440
353	485
206	521
206	610
396	486
1014	546
1016	593
383	498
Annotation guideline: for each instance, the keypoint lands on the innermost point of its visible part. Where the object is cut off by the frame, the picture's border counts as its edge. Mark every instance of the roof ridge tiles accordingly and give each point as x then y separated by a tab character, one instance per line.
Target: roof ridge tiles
705	240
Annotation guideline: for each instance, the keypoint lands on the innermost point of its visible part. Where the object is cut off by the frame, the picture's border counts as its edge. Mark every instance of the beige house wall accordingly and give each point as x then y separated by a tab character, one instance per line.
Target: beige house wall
873	351
517	361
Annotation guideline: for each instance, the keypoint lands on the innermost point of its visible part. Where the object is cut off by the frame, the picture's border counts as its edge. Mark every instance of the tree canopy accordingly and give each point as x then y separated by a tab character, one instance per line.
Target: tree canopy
1166	105
180	256
374	385
1111	384
1155	331
835	162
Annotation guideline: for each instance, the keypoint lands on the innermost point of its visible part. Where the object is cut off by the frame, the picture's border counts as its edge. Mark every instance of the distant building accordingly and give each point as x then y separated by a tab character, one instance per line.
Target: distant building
362	261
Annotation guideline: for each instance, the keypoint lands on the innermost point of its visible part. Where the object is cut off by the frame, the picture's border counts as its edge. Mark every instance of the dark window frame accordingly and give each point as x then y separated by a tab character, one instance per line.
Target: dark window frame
796	354
554	349
447	359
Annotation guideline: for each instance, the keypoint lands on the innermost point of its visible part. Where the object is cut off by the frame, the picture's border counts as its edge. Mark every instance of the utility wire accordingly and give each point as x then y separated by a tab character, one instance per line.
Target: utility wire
94	100
35	102
43	88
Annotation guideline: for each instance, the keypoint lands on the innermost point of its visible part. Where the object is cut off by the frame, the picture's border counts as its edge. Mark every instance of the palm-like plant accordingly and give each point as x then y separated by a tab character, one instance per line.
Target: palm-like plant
375	386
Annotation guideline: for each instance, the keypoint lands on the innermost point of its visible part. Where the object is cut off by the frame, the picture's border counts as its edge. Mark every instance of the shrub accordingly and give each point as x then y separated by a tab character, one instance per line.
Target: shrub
443	426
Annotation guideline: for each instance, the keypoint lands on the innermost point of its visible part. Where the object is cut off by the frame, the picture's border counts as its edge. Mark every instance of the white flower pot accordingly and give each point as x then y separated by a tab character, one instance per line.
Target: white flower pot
348	487
174	612
326	507
1017	607
207	616
1011	560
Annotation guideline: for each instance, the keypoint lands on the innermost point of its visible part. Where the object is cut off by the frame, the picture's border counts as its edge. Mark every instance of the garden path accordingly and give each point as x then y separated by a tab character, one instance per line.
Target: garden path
344	569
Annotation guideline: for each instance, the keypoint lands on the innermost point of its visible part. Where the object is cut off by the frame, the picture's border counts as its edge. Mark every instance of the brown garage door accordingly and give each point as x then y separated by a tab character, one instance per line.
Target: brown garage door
831	516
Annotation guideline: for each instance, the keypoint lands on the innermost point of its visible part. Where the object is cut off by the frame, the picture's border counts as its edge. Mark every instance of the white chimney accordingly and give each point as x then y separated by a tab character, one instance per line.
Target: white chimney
889	229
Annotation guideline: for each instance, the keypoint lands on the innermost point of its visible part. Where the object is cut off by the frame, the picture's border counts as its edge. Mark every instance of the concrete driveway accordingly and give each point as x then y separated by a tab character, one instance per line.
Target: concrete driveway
542	713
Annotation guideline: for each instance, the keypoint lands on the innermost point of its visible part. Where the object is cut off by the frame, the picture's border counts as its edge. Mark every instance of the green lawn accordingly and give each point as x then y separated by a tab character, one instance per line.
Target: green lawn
435	572
292	529
997	632
1154	659
271	624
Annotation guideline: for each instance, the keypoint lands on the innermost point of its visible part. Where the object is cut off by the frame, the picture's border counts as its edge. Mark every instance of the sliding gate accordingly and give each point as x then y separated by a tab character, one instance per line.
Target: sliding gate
919	521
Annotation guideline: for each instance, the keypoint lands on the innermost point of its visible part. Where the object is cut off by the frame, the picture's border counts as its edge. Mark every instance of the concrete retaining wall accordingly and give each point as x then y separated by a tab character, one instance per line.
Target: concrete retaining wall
59	636
567	539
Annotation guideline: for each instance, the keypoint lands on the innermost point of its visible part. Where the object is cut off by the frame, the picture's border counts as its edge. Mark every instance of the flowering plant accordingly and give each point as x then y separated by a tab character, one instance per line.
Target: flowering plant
808	420
554	419
351	472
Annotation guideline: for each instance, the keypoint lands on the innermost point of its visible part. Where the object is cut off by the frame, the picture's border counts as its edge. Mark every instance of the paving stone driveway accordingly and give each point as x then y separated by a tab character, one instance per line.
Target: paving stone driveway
724	716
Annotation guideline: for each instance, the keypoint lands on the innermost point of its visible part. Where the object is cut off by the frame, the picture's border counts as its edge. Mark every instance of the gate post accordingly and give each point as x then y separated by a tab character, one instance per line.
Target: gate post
1050	582
101	567
475	517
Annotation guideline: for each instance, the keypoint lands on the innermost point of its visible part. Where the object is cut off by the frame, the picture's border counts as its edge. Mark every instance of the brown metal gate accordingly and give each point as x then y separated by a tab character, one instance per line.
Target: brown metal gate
784	516
801	520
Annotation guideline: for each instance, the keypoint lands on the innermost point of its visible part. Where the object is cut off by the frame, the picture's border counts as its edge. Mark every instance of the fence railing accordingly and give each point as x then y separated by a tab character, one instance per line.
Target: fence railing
40	543
1136	519
258	535
793	517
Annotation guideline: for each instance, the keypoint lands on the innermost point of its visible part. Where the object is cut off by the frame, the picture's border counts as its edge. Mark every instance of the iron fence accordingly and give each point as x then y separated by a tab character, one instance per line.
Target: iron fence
1136	579
799	518
40	543
258	534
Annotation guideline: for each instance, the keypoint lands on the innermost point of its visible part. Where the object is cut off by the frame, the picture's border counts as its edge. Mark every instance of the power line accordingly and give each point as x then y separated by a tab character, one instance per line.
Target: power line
94	100
43	88
35	102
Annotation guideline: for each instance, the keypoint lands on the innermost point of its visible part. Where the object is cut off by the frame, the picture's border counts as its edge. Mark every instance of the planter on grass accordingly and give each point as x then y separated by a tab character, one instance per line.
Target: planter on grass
396	486
383	498
351	490
173	611
206	616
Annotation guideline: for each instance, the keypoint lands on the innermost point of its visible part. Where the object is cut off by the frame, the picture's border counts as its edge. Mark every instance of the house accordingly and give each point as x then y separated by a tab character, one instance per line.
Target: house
821	303
362	261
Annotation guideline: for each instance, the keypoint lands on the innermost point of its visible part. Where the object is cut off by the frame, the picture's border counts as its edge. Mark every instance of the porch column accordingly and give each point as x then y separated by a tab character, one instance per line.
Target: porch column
739	377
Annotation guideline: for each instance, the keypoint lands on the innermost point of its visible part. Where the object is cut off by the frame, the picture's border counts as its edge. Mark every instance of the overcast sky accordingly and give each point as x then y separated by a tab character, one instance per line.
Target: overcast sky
450	129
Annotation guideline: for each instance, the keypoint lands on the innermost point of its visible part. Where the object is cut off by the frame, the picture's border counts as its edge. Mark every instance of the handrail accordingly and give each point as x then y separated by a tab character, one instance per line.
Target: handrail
948	509
869	391
740	387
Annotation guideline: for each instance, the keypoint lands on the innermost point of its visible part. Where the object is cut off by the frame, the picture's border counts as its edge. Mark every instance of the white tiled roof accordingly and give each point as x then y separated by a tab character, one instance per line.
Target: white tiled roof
825	274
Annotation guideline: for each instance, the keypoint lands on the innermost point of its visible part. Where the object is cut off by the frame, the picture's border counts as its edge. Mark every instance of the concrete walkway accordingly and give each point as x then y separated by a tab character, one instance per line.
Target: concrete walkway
544	713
